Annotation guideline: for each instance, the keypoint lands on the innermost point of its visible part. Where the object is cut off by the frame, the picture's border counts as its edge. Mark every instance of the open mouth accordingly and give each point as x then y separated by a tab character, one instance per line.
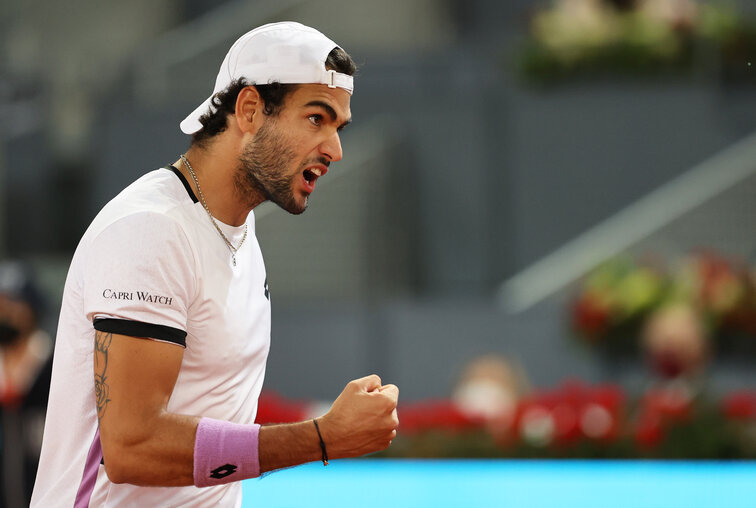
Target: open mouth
310	175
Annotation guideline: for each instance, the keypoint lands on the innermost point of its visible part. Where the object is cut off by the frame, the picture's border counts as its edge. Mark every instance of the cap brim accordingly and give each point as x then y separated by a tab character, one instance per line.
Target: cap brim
191	123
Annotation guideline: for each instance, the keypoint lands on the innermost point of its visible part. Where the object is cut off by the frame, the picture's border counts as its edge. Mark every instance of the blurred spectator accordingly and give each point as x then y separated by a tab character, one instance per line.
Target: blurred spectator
490	389
676	342
25	368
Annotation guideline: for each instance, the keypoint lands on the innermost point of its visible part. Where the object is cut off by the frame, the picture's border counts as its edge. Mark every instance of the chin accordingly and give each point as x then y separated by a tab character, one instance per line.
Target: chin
295	207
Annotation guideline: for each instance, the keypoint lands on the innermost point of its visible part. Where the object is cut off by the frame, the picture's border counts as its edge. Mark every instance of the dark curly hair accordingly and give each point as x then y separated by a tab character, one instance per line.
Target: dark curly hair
272	94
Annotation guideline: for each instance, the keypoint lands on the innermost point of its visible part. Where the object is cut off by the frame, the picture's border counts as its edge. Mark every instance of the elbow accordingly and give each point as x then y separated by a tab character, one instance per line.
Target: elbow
117	469
123	454
116	475
124	461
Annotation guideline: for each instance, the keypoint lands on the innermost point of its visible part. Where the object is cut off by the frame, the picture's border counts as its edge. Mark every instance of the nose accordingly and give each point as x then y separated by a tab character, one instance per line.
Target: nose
331	147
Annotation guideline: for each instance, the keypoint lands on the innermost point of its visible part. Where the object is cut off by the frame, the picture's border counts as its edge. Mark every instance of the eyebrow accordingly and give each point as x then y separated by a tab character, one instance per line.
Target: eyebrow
331	112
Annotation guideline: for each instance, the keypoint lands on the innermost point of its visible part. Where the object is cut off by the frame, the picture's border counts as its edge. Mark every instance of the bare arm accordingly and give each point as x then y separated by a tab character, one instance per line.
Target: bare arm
144	444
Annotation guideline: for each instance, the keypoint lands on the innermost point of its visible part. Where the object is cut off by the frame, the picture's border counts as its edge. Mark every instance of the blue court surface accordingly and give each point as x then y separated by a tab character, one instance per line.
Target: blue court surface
507	483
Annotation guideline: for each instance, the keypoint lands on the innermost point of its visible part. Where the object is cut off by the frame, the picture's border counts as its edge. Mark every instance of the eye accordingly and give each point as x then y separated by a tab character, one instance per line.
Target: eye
315	120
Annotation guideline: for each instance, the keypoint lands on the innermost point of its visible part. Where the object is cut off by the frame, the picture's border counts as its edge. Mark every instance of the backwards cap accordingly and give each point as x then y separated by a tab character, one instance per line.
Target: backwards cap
285	52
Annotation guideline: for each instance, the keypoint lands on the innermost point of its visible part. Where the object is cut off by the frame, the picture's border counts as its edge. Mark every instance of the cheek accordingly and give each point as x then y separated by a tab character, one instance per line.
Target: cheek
299	152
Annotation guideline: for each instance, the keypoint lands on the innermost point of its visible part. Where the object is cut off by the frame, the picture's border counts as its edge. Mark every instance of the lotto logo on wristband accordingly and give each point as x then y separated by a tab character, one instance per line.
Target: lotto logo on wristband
223	471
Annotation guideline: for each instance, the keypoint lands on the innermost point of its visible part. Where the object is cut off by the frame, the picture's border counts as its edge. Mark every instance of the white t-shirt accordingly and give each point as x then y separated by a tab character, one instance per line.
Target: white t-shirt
152	264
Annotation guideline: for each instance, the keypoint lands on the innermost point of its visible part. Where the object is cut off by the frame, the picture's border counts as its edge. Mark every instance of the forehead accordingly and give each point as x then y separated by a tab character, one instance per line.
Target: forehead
337	98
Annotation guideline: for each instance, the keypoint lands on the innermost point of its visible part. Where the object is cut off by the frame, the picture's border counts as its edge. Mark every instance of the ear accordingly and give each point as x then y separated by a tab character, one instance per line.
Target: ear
249	110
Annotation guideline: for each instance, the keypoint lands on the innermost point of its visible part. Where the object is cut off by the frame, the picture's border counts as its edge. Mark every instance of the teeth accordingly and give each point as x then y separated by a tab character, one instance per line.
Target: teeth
315	171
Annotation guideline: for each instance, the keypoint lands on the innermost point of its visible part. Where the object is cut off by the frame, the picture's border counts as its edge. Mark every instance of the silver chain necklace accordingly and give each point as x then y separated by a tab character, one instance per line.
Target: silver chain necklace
230	246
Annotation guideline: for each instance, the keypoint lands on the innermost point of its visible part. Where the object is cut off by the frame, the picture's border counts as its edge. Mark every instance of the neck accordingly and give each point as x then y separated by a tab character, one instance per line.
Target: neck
215	168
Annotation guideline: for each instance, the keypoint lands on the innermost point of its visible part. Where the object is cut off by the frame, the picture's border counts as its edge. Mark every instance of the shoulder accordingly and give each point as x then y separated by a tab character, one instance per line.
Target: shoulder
157	201
154	216
160	191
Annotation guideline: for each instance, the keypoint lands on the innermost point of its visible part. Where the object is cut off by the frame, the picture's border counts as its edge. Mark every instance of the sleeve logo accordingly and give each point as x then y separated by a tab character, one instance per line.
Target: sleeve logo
139	296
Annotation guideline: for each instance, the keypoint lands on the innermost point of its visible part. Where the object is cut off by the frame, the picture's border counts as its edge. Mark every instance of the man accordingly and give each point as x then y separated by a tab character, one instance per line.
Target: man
25	368
167	301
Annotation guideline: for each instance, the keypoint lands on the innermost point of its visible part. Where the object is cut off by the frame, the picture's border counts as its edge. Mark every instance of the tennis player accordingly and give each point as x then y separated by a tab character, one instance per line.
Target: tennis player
165	323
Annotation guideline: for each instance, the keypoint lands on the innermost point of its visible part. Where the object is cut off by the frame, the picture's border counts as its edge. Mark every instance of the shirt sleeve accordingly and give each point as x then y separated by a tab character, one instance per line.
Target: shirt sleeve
140	278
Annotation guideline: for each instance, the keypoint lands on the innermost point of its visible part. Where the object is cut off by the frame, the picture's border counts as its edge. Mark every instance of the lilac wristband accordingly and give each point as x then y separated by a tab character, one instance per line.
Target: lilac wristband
225	452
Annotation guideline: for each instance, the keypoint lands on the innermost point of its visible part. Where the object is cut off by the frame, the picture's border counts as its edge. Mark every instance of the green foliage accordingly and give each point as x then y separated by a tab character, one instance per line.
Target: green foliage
587	39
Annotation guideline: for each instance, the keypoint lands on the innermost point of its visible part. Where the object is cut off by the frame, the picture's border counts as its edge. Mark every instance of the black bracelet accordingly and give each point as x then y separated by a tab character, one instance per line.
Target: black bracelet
322	444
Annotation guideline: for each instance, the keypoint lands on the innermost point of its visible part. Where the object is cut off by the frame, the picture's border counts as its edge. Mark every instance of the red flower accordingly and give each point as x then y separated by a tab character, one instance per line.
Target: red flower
566	423
590	316
668	404
649	432
740	405
597	422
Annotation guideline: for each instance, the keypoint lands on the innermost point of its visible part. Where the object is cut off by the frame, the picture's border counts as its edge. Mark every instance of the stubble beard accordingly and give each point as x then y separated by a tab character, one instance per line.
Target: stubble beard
263	167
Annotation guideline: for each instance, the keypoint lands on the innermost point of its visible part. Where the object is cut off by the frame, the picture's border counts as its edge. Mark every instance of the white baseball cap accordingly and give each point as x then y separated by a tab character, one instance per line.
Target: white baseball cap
285	52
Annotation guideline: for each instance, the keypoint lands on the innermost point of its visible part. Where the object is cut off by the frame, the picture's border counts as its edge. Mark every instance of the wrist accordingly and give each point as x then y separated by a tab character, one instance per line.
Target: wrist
225	452
323	448
329	430
290	444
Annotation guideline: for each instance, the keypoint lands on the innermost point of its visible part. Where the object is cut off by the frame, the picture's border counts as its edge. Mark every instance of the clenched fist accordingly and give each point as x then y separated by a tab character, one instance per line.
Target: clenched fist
362	420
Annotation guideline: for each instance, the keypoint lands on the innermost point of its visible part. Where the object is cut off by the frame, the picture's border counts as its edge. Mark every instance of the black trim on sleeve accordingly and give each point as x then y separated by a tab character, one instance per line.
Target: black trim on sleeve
140	329
183	180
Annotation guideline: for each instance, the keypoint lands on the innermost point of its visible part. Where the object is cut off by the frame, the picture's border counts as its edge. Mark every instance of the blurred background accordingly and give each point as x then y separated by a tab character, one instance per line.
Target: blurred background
541	231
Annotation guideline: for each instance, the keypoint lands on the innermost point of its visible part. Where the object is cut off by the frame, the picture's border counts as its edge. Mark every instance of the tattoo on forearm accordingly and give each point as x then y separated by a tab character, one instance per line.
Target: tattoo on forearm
102	345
